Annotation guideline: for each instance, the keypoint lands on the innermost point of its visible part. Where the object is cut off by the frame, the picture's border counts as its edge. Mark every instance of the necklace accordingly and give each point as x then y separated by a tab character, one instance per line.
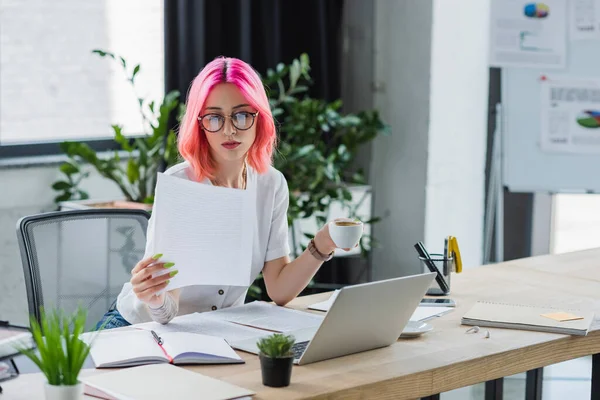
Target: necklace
215	182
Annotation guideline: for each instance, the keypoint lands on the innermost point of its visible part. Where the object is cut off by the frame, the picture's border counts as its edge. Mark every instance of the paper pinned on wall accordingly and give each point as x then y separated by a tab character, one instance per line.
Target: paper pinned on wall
207	231
570	115
584	19
528	34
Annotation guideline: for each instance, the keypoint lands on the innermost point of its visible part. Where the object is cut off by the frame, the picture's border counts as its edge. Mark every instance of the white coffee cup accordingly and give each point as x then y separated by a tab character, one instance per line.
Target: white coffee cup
345	232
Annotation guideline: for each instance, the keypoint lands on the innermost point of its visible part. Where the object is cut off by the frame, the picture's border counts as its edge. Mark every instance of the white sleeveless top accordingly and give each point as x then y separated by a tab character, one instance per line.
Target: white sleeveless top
270	243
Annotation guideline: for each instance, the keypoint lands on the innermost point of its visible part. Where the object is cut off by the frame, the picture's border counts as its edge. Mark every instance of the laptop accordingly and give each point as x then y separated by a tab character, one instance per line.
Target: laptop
363	317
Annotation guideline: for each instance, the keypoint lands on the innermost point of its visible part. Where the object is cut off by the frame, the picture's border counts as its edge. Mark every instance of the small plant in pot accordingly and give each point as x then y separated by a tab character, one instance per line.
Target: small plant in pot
276	359
60	353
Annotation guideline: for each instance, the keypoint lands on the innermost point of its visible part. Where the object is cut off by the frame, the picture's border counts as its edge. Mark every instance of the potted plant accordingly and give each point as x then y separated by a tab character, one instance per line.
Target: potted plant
276	359
317	149
60	353
135	175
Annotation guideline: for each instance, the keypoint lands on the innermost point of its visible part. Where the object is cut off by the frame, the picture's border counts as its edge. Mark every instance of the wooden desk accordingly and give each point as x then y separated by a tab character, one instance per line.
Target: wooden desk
444	359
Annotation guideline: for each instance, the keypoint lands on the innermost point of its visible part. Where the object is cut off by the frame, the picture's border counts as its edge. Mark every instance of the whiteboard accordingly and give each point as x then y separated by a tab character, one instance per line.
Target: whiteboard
525	167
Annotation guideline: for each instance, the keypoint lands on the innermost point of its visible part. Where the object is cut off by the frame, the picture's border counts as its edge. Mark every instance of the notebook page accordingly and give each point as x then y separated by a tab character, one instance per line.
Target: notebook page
198	323
109	347
206	231
177	343
267	316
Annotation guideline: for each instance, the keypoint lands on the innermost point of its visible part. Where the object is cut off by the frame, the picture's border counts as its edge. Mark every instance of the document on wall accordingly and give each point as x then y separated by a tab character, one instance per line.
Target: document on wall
584	19
207	231
570	115
528	34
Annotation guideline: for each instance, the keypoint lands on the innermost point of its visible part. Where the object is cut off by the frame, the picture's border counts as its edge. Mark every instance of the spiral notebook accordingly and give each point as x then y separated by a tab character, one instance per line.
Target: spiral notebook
532	318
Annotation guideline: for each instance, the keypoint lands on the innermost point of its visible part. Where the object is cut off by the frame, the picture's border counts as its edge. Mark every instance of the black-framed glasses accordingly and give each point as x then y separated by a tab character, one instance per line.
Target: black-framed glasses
241	120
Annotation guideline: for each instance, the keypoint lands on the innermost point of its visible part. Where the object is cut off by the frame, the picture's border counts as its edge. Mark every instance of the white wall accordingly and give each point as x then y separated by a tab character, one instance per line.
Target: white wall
458	126
399	161
431	85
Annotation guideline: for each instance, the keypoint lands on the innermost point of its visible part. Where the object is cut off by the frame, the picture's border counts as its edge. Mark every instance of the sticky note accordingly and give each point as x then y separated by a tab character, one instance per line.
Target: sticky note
562	316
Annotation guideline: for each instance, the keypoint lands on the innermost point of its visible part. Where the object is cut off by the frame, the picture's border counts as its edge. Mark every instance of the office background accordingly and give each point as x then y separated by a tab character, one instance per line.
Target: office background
428	177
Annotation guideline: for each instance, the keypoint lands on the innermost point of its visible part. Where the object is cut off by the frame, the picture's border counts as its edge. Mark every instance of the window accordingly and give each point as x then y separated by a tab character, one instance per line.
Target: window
53	88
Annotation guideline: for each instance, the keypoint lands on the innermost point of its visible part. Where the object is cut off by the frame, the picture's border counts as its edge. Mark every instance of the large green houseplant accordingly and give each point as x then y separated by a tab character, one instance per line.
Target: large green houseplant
318	145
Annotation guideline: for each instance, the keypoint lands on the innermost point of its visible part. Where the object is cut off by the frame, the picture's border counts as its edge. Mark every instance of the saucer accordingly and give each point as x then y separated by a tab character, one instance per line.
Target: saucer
415	328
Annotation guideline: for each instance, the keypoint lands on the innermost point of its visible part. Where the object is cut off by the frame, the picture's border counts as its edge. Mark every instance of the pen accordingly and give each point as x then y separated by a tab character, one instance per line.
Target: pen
439	278
157	338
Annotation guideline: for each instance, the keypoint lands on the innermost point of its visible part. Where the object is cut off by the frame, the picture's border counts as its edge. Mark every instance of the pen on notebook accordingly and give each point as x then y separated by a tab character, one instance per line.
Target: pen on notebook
157	338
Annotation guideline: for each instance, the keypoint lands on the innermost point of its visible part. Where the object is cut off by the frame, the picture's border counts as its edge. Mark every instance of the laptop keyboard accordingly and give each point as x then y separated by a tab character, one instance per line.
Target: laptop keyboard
298	349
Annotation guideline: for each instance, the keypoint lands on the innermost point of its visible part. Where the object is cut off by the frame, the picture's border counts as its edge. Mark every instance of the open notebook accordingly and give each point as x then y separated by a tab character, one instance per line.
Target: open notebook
525	317
160	382
137	347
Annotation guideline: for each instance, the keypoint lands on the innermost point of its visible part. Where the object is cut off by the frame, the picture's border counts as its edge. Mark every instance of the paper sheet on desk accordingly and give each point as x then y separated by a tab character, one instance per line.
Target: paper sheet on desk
199	323
420	314
267	316
206	231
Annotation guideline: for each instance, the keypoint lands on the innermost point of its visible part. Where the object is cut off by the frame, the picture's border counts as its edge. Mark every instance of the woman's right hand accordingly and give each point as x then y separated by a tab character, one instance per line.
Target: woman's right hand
145	286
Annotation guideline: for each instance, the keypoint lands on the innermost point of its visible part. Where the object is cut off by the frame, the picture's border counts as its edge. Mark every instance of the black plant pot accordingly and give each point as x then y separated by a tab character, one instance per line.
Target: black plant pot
276	372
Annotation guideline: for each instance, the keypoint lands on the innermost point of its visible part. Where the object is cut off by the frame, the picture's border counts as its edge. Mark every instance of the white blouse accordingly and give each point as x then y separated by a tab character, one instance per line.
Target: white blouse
270	243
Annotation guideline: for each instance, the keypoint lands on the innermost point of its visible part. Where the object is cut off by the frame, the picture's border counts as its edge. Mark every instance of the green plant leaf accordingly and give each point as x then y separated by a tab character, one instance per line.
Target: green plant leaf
133	172
61	185
121	139
135	72
69	167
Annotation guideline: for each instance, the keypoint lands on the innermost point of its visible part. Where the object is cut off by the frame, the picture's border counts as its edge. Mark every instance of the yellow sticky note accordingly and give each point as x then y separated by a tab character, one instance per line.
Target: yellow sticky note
562	316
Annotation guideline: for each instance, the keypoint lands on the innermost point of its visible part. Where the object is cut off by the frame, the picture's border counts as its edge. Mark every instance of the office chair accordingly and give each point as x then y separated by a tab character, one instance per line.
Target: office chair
80	257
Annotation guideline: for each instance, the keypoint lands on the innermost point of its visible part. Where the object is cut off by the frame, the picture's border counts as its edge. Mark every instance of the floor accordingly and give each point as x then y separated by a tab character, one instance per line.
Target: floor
576	227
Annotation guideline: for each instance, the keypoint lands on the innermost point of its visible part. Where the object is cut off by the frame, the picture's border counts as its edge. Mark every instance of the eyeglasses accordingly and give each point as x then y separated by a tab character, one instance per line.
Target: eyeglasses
242	120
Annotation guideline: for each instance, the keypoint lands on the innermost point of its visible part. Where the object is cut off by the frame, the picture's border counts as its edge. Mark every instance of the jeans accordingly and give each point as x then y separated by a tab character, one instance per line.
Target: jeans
115	320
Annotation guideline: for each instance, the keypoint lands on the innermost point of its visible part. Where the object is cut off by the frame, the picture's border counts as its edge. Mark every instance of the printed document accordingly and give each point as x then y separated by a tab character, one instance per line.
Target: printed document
200	323
570	115
528	34
262	315
207	231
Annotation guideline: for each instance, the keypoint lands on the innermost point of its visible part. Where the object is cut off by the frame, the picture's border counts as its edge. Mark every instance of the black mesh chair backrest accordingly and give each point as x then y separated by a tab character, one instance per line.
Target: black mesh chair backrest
80	257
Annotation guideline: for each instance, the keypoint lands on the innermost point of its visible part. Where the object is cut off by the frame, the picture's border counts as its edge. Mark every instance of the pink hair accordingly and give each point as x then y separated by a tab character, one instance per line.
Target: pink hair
193	145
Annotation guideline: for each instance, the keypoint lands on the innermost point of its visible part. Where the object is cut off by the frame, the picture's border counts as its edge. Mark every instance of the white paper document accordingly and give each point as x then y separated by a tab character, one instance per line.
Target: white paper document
570	115
425	313
268	316
528	34
207	231
324	305
199	323
584	20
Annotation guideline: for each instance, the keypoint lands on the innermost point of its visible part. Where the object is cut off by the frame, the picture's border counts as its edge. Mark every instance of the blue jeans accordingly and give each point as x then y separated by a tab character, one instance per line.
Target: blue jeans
115	320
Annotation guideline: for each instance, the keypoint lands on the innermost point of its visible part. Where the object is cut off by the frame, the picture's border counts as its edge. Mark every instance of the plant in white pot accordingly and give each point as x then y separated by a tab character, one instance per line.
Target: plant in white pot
276	359
60	352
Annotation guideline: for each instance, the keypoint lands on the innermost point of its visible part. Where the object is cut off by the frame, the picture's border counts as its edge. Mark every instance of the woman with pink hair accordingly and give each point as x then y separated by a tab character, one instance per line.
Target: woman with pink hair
227	138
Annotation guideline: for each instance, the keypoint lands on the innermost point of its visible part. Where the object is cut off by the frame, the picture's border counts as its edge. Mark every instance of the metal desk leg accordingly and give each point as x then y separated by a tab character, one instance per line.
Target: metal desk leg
432	397
533	385
14	365
494	390
595	376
